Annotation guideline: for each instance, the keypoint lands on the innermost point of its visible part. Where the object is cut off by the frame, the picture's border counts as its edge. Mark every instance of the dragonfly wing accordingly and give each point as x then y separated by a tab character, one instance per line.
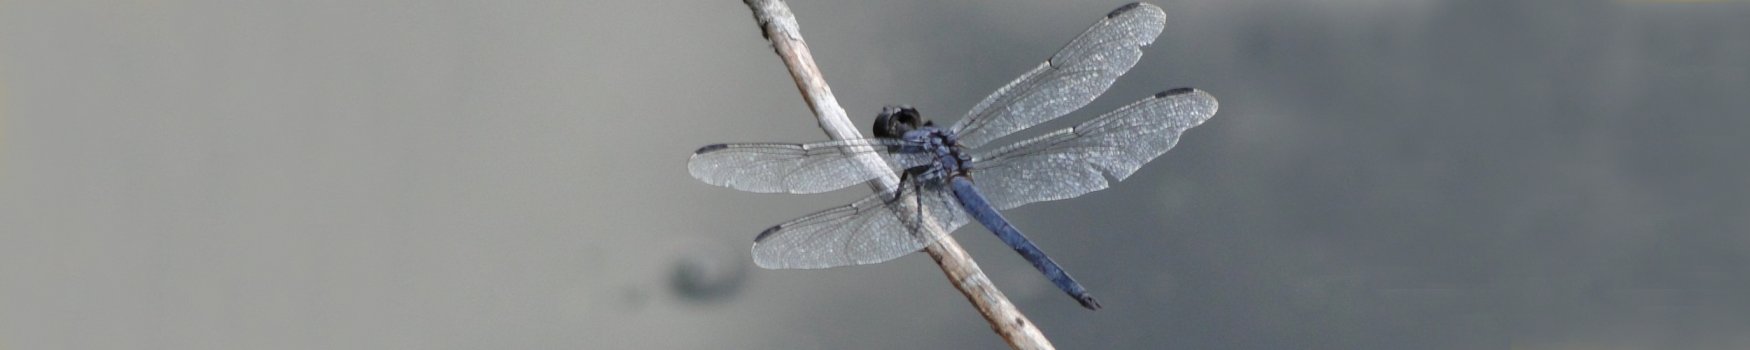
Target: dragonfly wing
797	168
868	231
1074	161
1069	80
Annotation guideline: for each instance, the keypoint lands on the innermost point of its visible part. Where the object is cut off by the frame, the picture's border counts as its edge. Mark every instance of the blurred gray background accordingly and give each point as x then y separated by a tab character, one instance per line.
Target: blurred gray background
511	175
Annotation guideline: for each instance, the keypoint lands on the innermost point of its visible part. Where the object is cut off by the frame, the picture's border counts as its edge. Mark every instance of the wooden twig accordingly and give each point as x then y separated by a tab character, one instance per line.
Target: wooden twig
778	25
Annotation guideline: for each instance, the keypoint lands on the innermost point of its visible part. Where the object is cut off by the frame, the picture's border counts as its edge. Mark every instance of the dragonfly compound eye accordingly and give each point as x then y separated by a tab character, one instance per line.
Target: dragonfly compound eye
894	121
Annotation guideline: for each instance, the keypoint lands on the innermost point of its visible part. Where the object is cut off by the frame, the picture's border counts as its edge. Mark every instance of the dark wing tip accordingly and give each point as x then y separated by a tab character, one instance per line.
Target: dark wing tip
1122	9
711	148
1177	91
767	232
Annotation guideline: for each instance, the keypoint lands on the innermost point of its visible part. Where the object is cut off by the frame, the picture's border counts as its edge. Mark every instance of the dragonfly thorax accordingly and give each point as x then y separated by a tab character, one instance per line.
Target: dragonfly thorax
904	122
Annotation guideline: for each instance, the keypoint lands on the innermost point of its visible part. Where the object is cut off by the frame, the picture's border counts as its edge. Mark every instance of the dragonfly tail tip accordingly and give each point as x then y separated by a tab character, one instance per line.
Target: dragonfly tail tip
1089	302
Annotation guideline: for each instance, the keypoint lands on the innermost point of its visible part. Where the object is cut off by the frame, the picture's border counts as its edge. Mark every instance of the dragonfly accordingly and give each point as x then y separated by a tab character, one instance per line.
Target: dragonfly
950	177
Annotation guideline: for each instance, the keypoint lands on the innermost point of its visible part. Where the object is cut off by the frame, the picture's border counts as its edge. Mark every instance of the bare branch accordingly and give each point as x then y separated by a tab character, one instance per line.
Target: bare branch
778	25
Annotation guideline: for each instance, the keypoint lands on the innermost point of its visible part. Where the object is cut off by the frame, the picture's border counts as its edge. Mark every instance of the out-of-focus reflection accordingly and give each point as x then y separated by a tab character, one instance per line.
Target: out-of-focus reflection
709	274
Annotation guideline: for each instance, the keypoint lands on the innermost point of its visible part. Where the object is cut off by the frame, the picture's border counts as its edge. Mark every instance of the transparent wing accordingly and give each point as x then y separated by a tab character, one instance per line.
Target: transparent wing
866	232
1074	161
797	168
1069	80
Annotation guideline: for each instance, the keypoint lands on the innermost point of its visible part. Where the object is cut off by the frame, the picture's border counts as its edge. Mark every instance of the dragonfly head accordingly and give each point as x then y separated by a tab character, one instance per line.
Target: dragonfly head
895	121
